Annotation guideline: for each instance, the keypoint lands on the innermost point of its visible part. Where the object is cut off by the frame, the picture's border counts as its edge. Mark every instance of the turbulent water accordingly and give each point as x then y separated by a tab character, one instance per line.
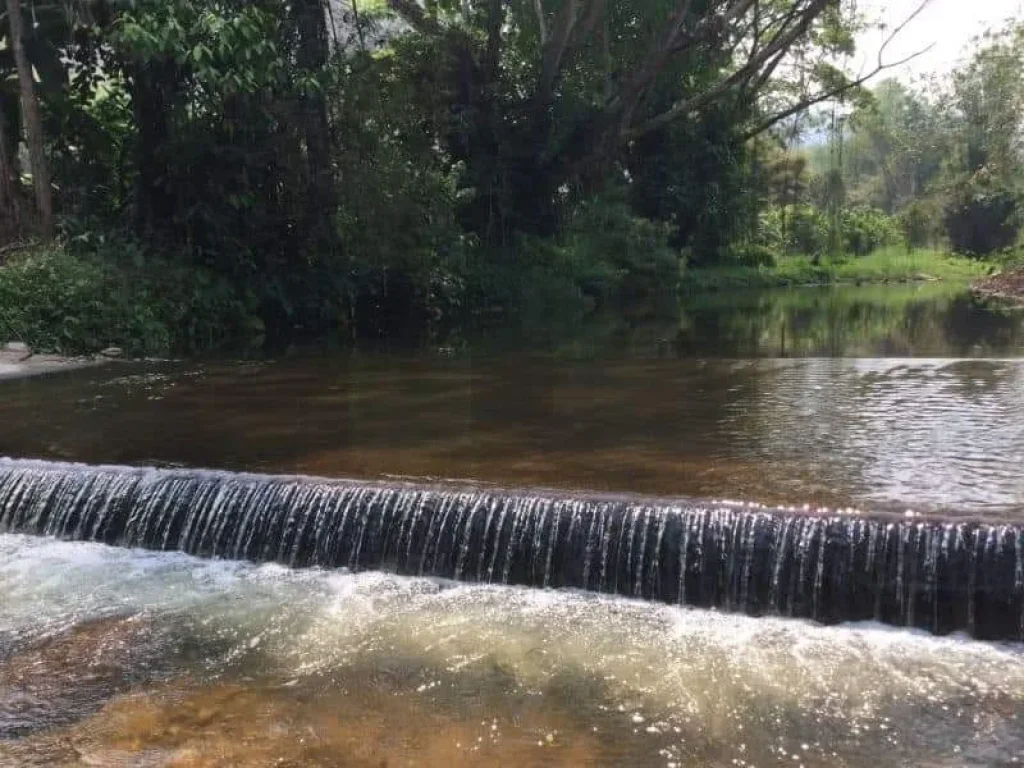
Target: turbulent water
937	575
187	662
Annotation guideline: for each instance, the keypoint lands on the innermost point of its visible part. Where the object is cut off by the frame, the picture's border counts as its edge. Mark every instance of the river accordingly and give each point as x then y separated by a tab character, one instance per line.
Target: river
894	398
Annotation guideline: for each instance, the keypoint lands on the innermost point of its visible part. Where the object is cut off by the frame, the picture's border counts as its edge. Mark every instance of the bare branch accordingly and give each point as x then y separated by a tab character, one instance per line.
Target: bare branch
880	67
554	49
538	8
629	95
810	101
782	42
896	32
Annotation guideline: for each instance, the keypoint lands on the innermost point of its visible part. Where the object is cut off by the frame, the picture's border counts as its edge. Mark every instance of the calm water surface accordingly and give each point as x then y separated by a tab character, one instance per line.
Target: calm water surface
897	397
907	397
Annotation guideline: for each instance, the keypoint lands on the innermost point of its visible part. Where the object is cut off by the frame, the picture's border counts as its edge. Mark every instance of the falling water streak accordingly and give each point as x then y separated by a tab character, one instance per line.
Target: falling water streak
434	531
819	573
518	520
936	545
703	516
638	586
735	550
880	574
901	547
552	540
749	545
778	558
972	580
467	530
684	550
413	517
624	530
1018	580
655	573
806	540
497	537
606	538
588	548
944	576
547	510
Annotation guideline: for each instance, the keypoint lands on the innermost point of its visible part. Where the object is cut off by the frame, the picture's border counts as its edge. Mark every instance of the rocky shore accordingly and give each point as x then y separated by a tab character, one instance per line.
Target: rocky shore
1006	286
18	361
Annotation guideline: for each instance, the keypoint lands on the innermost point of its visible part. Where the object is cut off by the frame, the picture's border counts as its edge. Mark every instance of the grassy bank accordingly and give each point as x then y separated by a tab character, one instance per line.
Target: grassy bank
888	265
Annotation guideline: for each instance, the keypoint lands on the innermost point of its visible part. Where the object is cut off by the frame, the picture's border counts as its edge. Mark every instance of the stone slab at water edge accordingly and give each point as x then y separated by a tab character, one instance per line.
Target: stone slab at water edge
935	574
17	361
1006	286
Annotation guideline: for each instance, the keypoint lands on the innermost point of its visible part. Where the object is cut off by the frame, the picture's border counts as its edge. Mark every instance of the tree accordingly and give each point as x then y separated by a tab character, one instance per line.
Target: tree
547	98
312	50
984	208
33	124
896	148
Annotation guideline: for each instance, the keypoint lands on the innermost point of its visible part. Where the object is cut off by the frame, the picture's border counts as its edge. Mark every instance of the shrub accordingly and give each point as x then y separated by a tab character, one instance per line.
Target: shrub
921	223
770	231
751	255
807	229
982	217
59	301
867	229
615	252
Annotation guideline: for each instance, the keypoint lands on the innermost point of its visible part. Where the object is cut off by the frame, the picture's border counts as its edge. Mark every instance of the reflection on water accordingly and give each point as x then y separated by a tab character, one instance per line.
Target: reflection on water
942	434
265	666
932	320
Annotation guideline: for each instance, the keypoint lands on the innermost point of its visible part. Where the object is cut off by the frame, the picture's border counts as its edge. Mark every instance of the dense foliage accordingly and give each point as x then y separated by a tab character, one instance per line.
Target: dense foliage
213	168
944	159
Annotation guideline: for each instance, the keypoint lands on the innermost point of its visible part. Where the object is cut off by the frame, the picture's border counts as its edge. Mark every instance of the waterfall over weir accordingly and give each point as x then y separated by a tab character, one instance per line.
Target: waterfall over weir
937	575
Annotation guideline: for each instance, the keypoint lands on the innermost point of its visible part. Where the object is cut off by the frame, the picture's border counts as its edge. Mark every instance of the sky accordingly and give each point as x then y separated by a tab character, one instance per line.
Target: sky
949	25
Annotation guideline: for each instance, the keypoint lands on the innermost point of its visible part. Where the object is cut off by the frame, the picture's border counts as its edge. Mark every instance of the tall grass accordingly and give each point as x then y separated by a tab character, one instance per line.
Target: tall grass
887	265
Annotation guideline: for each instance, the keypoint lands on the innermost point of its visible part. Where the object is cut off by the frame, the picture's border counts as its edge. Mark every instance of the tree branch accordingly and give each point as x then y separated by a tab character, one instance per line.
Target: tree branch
554	49
780	43
810	101
629	94
538	8
881	66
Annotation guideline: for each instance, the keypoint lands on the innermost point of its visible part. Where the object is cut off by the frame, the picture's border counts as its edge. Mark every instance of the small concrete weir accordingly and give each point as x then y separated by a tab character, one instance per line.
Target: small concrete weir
938	575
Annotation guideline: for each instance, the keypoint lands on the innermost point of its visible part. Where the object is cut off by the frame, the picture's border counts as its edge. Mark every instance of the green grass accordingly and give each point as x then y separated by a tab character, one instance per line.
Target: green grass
888	265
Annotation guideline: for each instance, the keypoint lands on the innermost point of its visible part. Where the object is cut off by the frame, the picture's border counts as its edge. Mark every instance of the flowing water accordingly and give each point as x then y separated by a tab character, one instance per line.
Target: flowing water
201	662
882	399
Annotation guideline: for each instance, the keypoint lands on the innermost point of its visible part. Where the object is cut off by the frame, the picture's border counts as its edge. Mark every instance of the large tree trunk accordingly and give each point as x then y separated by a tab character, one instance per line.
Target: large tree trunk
33	124
151	85
312	55
10	212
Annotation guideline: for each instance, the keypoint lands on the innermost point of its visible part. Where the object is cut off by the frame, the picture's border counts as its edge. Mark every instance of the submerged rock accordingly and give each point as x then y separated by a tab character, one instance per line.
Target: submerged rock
112	352
60	679
188	726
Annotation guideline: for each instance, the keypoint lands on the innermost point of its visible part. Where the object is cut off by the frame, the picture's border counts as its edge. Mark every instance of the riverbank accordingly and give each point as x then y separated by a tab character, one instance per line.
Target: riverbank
19	362
888	265
1006	286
